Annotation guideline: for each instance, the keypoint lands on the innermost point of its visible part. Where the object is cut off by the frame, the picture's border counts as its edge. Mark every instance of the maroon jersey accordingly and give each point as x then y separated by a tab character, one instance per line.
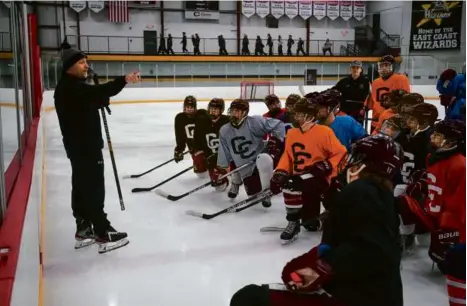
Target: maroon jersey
446	193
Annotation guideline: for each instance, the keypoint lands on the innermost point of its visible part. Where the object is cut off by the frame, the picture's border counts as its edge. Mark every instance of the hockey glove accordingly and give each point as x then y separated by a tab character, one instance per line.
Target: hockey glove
447	251
322	168
418	185
274	147
178	155
215	174
447	100
278	181
302	266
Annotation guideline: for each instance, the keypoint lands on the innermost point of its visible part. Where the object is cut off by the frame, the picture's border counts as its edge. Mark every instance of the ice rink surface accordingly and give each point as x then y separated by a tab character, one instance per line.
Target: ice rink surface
173	259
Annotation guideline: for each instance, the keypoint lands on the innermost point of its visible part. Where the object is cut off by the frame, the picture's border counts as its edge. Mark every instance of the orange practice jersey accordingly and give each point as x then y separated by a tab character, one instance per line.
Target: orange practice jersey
380	87
387	113
305	149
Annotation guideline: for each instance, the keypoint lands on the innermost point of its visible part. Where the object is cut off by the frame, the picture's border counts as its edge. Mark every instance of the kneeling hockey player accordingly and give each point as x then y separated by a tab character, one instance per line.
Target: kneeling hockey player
241	142
206	139
312	153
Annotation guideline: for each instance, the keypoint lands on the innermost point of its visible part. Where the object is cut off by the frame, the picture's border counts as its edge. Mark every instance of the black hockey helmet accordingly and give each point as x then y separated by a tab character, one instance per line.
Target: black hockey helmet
190	101
305	106
291	100
377	153
424	113
217	103
393	98
408	101
393	126
240	104
452	130
385	65
271	99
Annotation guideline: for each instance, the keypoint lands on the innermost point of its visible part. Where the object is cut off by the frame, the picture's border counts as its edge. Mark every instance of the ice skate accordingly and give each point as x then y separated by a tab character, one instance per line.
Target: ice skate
290	233
111	240
407	244
233	191
84	235
313	225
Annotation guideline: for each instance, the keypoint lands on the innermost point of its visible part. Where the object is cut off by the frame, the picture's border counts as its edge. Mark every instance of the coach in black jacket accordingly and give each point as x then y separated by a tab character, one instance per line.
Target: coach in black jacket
77	104
355	88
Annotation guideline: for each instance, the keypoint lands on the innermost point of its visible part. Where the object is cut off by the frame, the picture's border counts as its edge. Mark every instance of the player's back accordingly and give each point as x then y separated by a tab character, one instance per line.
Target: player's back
184	130
347	130
446	200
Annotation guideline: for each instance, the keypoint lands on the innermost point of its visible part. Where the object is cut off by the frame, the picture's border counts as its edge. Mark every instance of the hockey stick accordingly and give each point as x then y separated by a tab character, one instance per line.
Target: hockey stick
234	208
152	169
301	88
163	182
109	145
176	198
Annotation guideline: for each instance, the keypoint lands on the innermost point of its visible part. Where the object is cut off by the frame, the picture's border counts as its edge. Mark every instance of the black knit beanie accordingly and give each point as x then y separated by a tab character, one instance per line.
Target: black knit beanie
70	56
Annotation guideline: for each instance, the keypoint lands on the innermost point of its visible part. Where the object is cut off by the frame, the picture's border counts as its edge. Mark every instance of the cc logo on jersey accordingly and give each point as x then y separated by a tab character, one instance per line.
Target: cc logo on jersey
212	142
433	191
241	147
299	156
407	167
380	92
190	130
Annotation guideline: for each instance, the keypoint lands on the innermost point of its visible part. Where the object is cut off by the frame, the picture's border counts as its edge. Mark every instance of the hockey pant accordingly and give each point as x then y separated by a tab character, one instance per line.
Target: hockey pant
254	295
201	163
303	198
260	177
88	190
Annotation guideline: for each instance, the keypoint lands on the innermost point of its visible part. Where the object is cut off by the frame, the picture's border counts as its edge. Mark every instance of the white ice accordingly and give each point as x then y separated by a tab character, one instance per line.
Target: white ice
172	259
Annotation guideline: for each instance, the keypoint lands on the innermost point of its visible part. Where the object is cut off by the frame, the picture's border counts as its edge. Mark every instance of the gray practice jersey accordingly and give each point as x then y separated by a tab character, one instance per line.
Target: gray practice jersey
242	145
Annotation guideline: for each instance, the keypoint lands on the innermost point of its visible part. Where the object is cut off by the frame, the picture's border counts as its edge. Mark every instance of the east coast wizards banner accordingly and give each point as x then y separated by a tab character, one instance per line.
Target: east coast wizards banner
436	25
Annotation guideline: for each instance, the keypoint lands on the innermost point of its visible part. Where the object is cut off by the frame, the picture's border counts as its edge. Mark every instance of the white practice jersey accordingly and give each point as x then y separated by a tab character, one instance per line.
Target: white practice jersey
242	145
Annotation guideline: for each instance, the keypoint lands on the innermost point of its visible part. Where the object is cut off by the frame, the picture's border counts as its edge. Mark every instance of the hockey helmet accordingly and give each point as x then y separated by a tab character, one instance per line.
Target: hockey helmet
408	101
377	153
305	111
190	101
393	98
385	65
242	105
393	126
453	131
272	99
217	103
423	114
291	100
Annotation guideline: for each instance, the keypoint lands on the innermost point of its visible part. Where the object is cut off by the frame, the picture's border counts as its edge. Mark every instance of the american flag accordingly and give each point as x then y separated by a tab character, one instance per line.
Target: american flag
118	11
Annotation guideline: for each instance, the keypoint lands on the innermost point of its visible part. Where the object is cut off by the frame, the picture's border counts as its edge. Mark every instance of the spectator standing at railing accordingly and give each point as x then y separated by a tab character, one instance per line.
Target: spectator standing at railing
196	44
280	45
327	47
245	43
161	49
222	50
259	46
270	44
169	45
290	43
300	46
184	42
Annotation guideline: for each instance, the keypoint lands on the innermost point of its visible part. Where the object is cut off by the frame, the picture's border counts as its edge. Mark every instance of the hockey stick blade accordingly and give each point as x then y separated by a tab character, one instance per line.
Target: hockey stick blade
134	190
176	198
152	169
253	200
268	229
301	88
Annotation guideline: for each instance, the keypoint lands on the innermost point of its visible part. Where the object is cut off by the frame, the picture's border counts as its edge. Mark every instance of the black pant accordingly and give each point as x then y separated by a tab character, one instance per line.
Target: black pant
88	191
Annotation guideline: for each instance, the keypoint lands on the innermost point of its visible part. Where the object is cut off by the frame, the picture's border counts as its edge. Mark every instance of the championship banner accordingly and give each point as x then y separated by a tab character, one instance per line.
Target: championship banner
248	8
78	6
202	10
359	10
332	8
291	9
262	8
96	6
277	9
436	25
319	9
345	10
305	9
